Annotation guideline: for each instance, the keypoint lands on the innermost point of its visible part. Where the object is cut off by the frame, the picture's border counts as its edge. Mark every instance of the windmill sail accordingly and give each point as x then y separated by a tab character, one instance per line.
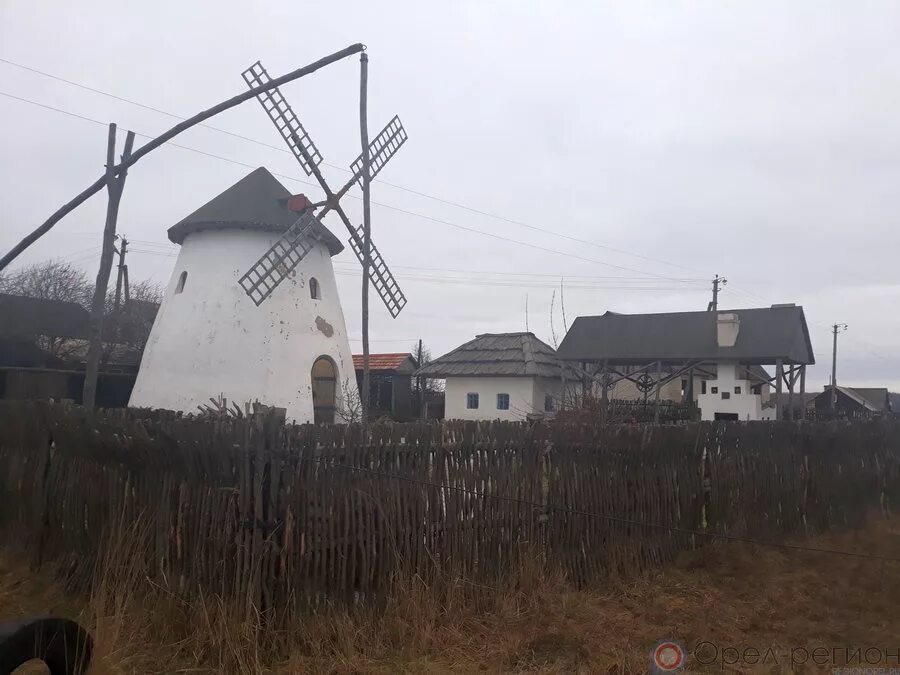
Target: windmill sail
384	146
380	275
284	118
280	260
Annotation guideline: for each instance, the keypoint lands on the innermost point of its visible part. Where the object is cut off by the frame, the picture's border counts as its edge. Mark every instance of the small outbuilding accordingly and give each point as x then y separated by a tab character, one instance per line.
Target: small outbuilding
505	376
390	383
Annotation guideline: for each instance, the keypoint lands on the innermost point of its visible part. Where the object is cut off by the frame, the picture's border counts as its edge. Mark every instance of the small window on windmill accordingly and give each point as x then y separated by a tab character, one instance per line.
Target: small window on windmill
314	291
182	278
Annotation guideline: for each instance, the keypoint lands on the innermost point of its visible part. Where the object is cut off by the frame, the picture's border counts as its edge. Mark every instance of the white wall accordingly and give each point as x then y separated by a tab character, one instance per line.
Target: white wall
748	406
523	392
211	339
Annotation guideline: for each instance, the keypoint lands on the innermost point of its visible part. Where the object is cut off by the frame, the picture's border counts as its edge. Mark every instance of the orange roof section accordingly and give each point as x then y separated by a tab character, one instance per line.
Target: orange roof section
382	361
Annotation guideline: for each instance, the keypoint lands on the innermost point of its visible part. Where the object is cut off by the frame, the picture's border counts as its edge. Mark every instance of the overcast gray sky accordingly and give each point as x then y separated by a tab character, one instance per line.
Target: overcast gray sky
758	140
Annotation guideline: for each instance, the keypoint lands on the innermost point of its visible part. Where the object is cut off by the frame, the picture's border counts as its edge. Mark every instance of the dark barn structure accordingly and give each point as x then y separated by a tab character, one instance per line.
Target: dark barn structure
43	347
390	380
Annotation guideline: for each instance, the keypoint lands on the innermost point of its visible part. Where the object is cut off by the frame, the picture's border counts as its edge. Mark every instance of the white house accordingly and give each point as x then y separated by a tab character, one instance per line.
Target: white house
505	376
209	338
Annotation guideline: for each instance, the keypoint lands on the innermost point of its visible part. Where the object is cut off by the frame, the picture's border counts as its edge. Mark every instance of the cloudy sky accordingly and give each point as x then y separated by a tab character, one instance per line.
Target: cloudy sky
635	149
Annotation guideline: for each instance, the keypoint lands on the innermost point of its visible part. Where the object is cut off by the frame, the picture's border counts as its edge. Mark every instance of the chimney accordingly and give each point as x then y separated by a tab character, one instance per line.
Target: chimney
298	203
727	327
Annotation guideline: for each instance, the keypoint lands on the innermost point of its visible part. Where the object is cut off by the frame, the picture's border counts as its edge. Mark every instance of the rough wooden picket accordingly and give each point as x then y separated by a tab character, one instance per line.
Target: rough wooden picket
284	517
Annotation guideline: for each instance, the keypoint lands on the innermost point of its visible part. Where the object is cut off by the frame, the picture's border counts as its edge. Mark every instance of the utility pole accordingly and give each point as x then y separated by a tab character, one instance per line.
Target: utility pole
367	224
836	328
718	281
114	186
420	383
123	248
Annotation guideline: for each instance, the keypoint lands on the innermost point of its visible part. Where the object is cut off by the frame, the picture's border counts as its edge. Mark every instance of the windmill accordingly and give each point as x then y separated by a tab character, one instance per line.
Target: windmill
285	254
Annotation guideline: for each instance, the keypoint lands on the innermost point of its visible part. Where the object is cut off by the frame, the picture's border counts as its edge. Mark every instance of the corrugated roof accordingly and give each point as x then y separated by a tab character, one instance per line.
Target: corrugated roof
497	354
384	361
21	316
765	334
256	202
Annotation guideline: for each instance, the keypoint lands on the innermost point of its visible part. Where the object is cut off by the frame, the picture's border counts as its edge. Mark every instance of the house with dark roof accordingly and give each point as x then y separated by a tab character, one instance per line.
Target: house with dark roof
727	349
390	383
506	376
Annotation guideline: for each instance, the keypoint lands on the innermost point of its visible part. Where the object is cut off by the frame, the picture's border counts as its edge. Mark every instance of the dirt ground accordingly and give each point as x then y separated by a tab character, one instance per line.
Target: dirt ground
753	609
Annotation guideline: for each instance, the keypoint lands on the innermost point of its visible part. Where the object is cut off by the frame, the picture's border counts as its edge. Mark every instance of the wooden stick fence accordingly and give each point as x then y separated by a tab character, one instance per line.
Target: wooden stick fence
287	516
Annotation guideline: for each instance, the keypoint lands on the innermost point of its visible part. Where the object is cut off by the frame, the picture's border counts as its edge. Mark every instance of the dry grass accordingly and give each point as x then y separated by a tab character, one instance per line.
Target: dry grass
732	595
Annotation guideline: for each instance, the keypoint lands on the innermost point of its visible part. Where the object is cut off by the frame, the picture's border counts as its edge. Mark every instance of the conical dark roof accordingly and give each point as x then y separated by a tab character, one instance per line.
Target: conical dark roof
256	202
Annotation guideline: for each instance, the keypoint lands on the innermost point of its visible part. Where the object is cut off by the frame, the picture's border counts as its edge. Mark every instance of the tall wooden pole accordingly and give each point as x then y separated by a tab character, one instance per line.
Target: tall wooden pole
420	383
114	186
367	223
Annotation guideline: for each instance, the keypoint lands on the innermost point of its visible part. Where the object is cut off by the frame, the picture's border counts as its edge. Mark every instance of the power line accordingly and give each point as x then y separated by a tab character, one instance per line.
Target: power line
171	249
388	206
344	169
592	514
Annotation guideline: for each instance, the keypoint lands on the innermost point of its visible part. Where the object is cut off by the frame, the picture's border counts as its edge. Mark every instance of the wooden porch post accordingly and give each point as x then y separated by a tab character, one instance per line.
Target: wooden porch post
779	385
792	374
658	387
803	392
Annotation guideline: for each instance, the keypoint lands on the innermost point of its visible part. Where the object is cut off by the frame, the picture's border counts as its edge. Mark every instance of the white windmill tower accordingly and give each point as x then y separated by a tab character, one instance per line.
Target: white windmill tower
289	350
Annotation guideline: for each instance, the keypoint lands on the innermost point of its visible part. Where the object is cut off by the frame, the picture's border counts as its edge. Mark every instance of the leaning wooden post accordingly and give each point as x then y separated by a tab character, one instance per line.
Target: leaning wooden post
114	186
367	226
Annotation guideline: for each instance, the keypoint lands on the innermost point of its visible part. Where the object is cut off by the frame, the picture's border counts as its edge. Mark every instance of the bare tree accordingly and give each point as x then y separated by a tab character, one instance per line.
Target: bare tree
132	324
49	280
61	280
348	406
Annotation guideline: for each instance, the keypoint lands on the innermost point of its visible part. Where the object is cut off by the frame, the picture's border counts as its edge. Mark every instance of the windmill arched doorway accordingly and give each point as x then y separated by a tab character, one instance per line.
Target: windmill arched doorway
324	390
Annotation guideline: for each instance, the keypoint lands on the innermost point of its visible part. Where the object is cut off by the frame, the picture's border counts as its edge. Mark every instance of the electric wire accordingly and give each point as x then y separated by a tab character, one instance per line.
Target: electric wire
346	170
398	209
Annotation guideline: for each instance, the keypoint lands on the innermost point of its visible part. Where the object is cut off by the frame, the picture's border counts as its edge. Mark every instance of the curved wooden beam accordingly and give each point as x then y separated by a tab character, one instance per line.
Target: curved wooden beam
150	146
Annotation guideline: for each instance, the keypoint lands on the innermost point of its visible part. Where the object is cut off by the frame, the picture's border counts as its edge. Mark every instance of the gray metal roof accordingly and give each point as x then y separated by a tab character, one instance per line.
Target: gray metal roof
498	355
256	202
878	397
765	334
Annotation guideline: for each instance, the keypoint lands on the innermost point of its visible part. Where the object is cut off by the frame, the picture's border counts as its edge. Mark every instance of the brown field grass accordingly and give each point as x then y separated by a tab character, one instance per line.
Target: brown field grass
729	594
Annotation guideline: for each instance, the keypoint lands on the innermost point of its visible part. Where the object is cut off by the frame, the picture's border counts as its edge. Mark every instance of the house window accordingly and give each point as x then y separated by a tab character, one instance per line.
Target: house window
472	401
502	401
715	390
757	389
182	278
703	386
314	291
548	403
726	395
684	384
737	390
